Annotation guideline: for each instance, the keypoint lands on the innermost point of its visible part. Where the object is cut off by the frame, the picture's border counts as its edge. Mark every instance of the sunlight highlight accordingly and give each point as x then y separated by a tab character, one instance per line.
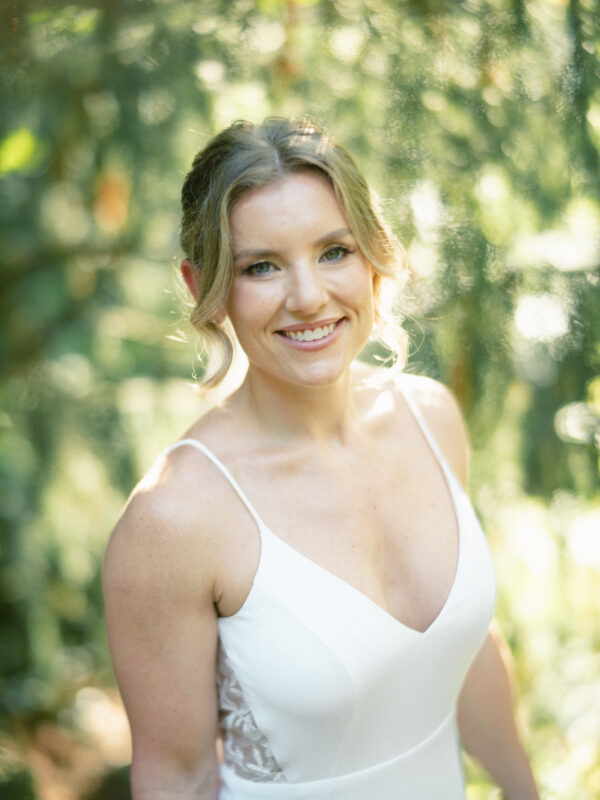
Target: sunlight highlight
541	317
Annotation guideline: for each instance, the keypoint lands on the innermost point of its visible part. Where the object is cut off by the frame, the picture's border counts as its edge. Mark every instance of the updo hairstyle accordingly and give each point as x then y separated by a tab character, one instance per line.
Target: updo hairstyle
244	157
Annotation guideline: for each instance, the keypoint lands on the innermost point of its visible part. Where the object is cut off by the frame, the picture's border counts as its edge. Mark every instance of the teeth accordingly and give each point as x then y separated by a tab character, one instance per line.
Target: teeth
310	335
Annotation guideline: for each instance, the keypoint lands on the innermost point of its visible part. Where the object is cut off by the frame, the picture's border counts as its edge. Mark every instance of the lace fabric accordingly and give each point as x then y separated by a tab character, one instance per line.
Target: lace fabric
246	750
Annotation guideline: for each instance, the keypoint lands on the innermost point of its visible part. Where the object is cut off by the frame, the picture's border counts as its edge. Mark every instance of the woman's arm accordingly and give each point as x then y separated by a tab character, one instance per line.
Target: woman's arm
487	724
162	633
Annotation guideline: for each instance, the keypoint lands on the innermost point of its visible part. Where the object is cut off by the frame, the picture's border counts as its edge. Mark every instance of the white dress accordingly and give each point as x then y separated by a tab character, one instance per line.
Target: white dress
325	695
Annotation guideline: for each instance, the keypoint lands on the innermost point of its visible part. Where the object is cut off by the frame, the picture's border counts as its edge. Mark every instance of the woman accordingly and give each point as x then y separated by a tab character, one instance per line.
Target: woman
303	569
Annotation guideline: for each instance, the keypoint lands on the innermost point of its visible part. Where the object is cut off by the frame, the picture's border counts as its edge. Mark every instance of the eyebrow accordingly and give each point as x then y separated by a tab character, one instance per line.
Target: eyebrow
251	252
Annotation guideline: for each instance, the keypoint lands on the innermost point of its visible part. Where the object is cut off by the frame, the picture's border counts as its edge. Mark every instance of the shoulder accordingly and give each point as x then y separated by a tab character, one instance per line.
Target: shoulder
166	536
442	415
431	397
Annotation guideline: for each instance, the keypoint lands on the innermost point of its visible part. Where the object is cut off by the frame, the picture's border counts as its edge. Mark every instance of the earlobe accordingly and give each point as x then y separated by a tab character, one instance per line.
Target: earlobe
220	316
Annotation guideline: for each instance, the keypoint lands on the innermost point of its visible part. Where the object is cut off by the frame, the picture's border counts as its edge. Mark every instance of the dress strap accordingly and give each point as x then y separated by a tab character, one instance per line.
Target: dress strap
420	420
223	469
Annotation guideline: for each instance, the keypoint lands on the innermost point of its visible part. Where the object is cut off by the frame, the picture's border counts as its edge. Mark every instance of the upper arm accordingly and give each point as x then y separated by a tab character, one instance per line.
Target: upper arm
443	417
162	633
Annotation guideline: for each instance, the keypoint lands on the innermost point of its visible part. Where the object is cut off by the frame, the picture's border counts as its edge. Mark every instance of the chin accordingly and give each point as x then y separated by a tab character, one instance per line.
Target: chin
316	379
320	379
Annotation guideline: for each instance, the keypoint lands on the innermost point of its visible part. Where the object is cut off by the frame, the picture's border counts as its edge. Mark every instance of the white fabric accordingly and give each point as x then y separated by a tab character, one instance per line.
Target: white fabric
347	702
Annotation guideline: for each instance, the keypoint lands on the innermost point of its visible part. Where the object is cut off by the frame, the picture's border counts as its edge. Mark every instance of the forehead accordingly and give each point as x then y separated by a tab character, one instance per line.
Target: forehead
299	202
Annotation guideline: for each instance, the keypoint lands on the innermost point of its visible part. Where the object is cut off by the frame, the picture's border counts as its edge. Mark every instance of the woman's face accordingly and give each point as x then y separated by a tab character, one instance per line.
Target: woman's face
301	301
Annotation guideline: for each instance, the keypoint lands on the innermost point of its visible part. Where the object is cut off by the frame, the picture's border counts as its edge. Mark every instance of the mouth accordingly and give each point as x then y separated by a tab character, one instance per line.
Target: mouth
309	336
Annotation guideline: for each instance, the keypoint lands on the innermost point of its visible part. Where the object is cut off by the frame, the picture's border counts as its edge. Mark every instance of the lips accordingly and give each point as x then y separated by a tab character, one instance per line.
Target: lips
310	334
314	333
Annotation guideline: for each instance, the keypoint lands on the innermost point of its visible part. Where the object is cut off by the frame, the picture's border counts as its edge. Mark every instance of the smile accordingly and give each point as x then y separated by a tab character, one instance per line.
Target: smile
310	334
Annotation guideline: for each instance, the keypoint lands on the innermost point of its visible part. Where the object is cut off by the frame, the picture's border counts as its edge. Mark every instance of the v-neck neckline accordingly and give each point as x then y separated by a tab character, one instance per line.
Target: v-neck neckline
349	587
452	488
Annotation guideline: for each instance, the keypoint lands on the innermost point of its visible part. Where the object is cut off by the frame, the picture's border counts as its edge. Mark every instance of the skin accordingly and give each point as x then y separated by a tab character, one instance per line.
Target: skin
306	421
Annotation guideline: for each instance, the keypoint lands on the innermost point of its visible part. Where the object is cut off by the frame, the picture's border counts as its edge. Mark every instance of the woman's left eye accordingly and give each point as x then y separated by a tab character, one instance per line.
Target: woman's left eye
335	254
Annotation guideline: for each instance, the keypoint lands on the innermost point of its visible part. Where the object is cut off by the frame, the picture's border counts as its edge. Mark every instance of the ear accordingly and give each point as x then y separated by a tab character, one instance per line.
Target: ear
190	276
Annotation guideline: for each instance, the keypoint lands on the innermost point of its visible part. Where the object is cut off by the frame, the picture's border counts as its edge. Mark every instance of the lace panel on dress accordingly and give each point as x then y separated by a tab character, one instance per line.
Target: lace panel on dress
245	748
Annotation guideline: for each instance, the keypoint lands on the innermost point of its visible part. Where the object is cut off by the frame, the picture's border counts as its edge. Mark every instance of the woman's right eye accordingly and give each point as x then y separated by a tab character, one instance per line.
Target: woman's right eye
260	268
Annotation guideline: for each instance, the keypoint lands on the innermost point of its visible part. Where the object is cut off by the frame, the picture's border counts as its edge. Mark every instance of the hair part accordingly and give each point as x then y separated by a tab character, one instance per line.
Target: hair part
245	157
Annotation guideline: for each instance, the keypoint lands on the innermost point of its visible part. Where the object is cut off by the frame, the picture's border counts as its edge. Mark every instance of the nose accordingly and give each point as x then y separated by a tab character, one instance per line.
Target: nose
306	293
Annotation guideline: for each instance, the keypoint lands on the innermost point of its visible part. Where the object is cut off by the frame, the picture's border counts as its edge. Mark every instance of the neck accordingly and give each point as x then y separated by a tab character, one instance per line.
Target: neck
292	412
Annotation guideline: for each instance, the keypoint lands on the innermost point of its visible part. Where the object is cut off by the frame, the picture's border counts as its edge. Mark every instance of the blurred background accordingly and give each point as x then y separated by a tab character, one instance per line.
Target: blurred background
478	123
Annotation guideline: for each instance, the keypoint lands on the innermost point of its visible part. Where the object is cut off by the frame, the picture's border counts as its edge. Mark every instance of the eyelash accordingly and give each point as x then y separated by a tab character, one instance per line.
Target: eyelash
252	269
338	247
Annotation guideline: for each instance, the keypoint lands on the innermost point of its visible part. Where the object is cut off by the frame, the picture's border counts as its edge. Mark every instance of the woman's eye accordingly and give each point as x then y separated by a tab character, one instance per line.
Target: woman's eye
260	268
335	254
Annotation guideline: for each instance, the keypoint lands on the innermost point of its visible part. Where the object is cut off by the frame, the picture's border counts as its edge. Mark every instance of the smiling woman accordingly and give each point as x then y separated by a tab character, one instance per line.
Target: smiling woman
251	157
329	620
300	282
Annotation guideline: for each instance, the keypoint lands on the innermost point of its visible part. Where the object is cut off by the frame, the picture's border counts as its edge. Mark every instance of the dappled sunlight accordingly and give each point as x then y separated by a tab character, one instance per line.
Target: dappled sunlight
577	422
428	209
244	100
141	401
210	72
542	317
548	567
574	245
480	130
346	43
64	214
584	540
69	760
101	716
266	36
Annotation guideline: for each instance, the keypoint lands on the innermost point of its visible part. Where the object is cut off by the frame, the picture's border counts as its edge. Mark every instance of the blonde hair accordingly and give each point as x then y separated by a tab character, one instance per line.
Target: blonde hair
244	157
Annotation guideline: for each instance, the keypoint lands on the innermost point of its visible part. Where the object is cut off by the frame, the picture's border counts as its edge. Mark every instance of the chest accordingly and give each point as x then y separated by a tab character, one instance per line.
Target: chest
384	524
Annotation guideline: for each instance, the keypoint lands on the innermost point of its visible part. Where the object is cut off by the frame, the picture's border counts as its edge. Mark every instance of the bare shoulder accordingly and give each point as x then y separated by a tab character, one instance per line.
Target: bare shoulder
161	536
441	412
430	396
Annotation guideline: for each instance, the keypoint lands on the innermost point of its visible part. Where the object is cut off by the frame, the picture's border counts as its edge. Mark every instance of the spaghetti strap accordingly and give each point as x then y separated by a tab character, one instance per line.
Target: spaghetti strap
223	469
426	431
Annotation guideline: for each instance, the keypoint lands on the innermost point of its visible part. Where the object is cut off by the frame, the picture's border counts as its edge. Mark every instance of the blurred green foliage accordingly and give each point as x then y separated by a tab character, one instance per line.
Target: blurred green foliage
479	124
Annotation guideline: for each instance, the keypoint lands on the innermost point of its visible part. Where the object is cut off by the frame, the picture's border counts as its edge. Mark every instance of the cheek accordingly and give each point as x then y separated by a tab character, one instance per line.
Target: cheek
250	305
360	286
365	294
